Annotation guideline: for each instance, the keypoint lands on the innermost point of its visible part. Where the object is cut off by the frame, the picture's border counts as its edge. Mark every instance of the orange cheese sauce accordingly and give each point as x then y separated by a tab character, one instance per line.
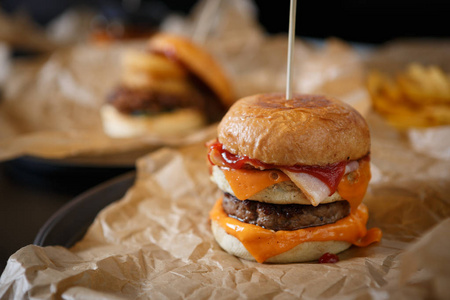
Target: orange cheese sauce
246	183
263	243
353	191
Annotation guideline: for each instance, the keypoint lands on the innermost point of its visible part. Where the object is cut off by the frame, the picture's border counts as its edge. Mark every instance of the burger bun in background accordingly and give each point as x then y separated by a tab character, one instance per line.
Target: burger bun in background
172	88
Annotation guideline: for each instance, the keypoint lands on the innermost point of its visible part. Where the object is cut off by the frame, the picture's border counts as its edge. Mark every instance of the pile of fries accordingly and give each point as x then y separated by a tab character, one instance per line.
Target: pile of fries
417	97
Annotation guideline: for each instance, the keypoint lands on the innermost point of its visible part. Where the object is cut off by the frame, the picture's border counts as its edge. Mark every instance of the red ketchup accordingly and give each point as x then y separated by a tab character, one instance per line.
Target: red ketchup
331	174
328	258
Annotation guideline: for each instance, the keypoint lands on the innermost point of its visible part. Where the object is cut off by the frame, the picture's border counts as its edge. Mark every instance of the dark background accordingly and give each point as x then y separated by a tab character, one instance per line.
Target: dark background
366	21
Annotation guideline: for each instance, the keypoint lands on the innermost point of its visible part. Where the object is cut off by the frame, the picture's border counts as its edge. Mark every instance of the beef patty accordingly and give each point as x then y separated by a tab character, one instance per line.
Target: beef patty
133	101
129	101
284	216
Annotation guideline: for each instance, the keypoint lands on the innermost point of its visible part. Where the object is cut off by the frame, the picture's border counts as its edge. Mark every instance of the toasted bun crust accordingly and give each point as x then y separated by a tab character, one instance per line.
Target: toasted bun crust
309	130
119	125
285	192
197	61
303	252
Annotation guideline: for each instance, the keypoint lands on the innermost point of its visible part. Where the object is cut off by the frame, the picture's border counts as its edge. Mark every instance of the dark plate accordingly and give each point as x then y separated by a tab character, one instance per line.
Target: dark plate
67	175
69	224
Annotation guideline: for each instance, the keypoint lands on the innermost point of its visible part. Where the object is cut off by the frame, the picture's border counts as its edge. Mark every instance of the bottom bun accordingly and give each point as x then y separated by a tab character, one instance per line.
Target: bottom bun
303	252
119	125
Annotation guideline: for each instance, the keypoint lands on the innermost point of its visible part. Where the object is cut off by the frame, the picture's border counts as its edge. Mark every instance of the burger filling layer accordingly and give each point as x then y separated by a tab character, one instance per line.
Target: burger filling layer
148	102
284	217
264	186
247	177
154	83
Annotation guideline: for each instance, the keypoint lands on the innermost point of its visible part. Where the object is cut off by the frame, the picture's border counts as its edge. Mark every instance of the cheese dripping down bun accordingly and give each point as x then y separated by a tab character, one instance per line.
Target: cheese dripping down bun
281	163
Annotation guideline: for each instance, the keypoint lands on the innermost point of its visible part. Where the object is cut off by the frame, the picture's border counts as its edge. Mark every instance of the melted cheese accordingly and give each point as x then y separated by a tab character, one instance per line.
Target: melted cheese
354	190
263	243
246	183
372	235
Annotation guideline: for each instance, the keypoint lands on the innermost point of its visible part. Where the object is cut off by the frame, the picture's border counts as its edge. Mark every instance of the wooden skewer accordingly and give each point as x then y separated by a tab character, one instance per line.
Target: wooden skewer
291	42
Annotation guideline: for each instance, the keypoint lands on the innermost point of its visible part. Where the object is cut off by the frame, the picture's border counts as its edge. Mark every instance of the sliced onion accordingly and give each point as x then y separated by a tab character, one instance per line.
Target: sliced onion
314	189
351	166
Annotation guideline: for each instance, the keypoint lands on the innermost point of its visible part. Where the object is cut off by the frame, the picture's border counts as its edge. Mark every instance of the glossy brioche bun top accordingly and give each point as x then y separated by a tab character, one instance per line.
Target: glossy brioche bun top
196	60
307	130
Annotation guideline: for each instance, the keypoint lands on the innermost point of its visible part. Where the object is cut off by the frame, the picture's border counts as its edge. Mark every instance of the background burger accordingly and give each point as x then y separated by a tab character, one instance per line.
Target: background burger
293	173
171	88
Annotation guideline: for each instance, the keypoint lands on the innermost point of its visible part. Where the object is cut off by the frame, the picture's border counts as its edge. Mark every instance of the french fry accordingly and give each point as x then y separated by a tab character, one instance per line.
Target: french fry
417	97
425	85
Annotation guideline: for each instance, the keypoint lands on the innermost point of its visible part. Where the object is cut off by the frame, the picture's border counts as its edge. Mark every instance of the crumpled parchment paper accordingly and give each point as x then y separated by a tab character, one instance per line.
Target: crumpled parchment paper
155	242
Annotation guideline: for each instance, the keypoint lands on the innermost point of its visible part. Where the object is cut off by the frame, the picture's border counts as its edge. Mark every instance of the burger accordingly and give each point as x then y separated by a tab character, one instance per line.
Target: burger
172	87
293	175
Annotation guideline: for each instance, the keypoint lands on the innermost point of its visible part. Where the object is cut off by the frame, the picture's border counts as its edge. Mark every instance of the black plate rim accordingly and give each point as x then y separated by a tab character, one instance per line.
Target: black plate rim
69	163
92	195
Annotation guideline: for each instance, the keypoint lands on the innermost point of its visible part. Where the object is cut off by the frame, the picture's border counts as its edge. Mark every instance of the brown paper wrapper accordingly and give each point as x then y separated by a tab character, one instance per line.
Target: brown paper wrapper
156	241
